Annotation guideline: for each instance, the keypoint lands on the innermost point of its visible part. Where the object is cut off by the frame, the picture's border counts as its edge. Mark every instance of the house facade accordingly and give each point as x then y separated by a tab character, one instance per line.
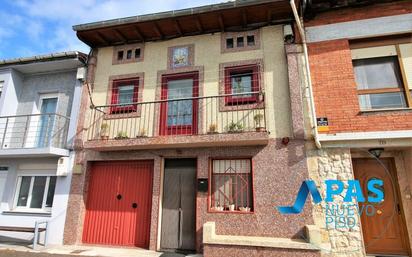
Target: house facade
360	64
188	136
38	118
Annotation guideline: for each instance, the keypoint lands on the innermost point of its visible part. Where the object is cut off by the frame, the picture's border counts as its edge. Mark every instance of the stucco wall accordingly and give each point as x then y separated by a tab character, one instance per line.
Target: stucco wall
207	54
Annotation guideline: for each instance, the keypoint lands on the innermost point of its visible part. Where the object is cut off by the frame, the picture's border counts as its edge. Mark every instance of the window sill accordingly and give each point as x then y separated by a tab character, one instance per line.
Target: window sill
385	110
27	213
231	212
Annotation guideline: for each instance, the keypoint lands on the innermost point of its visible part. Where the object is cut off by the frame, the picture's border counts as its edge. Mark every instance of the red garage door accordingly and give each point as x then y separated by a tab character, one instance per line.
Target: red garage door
119	203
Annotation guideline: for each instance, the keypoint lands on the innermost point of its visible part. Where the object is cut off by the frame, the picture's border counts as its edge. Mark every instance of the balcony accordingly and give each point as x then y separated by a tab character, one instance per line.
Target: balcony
224	120
33	135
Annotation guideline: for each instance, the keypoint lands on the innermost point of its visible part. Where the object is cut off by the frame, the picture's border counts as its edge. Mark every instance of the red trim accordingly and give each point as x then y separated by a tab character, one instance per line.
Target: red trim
179	129
229	72
115	96
210	179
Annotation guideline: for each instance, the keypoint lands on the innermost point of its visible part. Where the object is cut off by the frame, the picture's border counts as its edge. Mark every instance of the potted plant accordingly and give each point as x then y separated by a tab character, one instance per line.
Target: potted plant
244	209
121	135
231	207
235	127
142	133
212	129
104	131
258	122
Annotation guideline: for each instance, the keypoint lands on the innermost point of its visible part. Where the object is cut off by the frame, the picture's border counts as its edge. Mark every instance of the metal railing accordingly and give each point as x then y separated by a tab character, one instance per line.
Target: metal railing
220	114
33	131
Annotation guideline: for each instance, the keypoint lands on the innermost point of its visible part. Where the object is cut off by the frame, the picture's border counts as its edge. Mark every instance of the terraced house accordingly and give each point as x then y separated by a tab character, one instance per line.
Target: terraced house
361	65
191	132
39	107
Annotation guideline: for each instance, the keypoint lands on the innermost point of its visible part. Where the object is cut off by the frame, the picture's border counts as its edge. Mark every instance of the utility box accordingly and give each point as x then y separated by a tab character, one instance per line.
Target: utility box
62	167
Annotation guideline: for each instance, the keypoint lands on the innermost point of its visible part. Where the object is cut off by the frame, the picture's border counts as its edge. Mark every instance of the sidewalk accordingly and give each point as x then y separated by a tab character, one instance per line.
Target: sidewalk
78	250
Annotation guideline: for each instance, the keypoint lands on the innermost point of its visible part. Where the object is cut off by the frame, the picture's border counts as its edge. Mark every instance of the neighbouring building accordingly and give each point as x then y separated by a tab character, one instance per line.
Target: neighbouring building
360	57
39	104
192	133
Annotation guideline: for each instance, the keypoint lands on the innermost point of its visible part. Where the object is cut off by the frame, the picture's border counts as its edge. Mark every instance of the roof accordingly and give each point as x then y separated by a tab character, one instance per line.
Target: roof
45	58
230	16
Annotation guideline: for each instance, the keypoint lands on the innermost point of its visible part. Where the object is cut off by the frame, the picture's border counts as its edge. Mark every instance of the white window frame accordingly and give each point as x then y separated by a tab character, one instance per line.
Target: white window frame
29	197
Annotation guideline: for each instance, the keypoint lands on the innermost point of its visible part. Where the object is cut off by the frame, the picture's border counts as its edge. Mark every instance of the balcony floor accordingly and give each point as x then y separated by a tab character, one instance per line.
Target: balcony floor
163	142
33	152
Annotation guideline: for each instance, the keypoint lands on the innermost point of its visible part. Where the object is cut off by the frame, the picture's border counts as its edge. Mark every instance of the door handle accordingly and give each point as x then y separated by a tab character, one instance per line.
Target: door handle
134	205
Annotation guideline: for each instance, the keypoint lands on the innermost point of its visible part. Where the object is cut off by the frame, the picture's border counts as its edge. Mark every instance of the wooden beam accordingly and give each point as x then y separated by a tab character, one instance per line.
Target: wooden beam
101	38
177	27
269	16
221	22
157	30
199	24
120	35
138	32
244	18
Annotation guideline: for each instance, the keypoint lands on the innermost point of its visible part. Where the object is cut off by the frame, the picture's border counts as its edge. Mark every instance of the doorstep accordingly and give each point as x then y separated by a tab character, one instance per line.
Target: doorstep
82	250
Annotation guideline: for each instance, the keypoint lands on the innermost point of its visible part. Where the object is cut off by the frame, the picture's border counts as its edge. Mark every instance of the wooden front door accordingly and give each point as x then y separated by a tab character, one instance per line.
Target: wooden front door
179	117
384	232
119	203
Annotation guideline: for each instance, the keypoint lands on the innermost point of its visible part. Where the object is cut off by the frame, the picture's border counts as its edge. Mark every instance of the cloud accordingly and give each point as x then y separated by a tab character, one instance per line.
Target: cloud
46	25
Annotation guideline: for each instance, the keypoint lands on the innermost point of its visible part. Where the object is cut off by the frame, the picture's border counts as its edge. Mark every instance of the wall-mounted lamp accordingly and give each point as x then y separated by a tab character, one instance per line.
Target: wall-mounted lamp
376	152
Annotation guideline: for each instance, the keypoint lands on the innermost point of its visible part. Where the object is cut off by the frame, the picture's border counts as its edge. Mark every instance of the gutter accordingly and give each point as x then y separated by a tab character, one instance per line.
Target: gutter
44	58
308	74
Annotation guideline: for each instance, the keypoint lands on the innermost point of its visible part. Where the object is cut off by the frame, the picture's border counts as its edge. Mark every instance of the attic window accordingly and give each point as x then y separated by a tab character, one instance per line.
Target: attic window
127	53
240	41
229	43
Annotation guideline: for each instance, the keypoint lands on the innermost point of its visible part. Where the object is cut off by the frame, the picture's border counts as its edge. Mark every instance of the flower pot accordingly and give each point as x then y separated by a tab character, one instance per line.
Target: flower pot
104	137
231	207
260	129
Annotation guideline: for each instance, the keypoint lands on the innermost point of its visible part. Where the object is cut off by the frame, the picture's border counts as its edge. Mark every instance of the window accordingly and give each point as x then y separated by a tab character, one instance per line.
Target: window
240	41
229	43
125	96
240	83
127	53
232	185
1	87
35	192
379	83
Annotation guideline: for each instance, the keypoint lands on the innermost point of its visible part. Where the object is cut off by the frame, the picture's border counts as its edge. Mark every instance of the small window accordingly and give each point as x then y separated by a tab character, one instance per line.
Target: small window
137	53
240	42
229	43
1	87
232	185
242	84
129	54
379	83
125	96
120	55
251	40
35	192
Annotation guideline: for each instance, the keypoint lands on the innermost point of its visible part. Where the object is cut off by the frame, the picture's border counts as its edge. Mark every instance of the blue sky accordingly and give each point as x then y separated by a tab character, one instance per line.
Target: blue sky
32	27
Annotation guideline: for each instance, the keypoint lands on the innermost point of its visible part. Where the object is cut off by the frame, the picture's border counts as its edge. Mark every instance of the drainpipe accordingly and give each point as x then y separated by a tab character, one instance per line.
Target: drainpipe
305	53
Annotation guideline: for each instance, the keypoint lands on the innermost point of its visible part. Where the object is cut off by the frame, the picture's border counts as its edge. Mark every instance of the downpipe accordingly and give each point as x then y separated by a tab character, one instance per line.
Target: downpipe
308	74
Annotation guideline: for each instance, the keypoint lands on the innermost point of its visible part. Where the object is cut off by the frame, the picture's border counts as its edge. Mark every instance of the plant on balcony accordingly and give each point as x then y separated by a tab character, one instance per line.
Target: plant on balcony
212	129
244	209
121	135
258	122
104	131
142	133
234	127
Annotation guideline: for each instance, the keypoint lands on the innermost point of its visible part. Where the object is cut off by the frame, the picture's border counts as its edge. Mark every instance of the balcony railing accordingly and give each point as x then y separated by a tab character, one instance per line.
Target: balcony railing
206	115
33	131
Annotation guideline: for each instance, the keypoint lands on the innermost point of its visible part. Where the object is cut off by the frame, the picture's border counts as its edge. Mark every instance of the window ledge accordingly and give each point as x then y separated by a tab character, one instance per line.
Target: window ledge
27	213
386	110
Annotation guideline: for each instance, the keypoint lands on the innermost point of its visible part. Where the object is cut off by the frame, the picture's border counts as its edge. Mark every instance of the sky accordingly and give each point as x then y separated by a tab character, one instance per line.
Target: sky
33	27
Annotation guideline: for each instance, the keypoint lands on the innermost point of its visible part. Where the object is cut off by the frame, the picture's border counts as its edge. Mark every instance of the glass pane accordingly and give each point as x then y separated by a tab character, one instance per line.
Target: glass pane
120	55
38	192
137	53
129	54
126	94
242	83
50	192
240	42
373	73
250	40
380	101
45	130
229	43
180	112
24	191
